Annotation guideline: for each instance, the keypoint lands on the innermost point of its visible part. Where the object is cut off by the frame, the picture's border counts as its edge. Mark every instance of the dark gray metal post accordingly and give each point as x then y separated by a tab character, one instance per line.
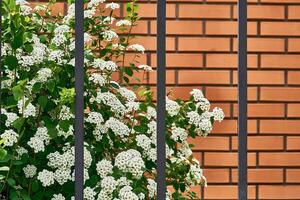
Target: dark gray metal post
161	99
242	99
79	99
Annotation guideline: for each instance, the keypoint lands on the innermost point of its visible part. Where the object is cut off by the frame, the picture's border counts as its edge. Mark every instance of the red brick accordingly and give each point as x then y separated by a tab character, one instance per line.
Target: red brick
263	77
280	127
227	159
203	44
293	45
227	28
203	77
230	127
293	77
228	93
204	11
262	45
263	12
210	143
261	143
279	192
216	175
293	175
228	61
261	175
150	43
279	159
280	28
258	110
293	110
293	143
56	9
280	61
182	60
226	192
294	12
180	27
280	94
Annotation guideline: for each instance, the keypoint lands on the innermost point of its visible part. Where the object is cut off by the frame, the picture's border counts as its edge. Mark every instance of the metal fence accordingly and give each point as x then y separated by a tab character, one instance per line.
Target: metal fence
161	93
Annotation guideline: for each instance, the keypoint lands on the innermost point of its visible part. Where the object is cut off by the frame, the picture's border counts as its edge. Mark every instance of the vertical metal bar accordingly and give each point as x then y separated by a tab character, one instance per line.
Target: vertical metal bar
79	98
242	99
161	99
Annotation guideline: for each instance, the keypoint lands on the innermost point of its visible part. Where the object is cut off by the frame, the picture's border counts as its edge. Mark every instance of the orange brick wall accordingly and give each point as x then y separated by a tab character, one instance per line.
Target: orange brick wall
201	52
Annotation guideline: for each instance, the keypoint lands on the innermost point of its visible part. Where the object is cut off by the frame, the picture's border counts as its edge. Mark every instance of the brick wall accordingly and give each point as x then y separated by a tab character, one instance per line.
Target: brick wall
201	52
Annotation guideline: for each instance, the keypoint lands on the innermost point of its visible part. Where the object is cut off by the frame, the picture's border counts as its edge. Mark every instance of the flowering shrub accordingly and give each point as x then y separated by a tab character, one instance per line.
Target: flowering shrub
120	123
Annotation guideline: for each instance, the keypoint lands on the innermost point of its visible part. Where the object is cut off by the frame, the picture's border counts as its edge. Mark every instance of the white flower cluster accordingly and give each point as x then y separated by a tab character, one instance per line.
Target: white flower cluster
172	107
94	118
39	140
130	161
10	137
58	197
118	127
109	35
98	79
104	168
11	117
123	22
59	35
147	68
111	100
46	177
26	109
136	47
30	171
179	134
104	65
127	94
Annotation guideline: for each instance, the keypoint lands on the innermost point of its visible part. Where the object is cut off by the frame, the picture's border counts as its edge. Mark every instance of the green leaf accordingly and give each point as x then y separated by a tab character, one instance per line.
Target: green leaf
52	132
18	92
3	154
35	186
18	123
50	85
128	71
11	182
28	47
11	62
42	100
64	125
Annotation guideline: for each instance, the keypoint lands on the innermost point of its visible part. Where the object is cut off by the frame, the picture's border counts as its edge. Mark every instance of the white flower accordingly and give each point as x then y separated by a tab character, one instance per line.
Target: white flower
147	68
151	187
179	133
118	127
62	175
172	107
97	79
130	161
218	114
28	110
128	94
29	171
20	151
197	94
123	22
90	12
203	104
104	65
46	177
10	137
136	47
144	142
127	193
42	133
109	184
109	35
112	6
11	117
151	112
104	168
111	100
65	113
56	56
43	75
58	197
37	144
94	118
95	3
89	194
